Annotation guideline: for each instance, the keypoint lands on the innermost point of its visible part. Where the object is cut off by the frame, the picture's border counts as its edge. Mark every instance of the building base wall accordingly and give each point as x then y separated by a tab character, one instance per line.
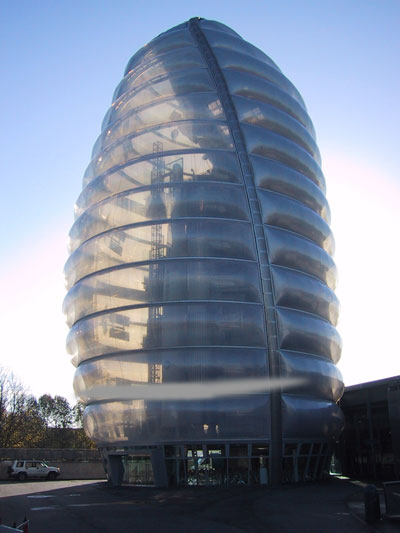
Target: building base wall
233	463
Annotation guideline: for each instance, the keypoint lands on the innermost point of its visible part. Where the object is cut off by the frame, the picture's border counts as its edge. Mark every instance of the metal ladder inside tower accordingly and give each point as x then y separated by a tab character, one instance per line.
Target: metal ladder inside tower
156	252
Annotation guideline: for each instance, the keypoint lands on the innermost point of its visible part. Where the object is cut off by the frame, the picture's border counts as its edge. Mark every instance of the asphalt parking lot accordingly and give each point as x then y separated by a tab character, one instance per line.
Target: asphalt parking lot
89	507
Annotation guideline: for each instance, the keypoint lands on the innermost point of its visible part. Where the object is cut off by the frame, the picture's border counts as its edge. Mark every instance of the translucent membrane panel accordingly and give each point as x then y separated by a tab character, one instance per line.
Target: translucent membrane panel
211	166
269	117
183	238
192	81
242	62
213	25
158	203
190	107
179	136
274	176
268	144
164	276
175	61
308	418
167	42
167	326
308	333
283	212
293	251
181	26
145	422
296	290
320	378
171	366
217	39
251	86
164	281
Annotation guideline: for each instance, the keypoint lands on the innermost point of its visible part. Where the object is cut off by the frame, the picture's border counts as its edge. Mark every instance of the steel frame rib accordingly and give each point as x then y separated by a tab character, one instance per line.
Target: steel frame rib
261	245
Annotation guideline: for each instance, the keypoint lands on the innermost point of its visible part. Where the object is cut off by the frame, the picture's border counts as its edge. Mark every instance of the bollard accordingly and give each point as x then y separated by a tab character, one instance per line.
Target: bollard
371	503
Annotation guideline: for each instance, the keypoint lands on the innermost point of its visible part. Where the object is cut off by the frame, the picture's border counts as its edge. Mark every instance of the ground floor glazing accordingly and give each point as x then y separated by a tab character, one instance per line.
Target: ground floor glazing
214	464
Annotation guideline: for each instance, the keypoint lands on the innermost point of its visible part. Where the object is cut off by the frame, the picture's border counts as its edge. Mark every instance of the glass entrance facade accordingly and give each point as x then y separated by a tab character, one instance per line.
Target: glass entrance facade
201	266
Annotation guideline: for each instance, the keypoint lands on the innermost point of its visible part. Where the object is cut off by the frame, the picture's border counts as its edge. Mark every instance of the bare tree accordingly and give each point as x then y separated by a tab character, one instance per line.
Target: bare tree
28	422
20	420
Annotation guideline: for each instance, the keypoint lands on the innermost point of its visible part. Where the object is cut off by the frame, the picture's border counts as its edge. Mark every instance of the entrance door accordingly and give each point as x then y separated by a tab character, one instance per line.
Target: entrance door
138	470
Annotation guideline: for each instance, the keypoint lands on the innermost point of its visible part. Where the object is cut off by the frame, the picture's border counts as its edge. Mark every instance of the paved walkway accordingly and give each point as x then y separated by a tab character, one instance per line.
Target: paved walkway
336	505
332	506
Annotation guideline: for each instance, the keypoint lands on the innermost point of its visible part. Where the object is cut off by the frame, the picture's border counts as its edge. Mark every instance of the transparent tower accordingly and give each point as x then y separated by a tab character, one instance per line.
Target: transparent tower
201	257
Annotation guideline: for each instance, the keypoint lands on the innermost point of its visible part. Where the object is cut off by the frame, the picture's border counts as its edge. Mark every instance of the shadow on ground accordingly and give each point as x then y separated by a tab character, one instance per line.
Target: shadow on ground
88	507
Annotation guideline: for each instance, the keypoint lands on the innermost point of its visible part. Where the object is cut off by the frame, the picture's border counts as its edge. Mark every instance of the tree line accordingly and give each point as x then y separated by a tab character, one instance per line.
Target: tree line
44	422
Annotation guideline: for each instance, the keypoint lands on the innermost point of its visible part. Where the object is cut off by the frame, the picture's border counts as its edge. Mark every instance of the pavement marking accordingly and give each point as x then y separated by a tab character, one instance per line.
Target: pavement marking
88	504
99	503
47	508
41	496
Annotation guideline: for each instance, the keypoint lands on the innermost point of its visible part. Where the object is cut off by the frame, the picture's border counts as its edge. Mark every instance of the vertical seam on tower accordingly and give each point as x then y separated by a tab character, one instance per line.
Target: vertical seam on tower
260	240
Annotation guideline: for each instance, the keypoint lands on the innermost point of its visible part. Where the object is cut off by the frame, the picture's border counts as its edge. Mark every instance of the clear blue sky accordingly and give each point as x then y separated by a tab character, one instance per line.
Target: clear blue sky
60	64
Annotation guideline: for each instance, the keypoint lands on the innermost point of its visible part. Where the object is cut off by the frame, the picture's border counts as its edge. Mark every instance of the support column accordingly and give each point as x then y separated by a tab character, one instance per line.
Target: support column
159	467
116	469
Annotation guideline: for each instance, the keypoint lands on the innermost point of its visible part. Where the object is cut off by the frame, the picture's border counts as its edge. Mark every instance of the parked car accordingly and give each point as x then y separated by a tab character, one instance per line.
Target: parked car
22	470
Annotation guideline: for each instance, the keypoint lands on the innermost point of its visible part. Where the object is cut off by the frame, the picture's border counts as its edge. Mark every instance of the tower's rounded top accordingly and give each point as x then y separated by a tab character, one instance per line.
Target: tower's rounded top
204	24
